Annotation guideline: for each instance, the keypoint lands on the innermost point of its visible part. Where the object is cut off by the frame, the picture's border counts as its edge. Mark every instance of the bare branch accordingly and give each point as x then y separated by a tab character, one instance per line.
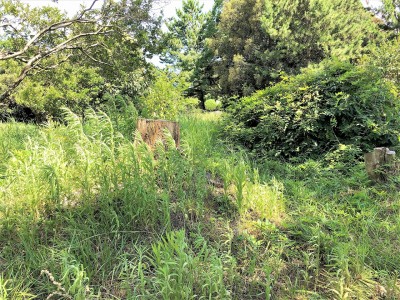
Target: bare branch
4	25
87	9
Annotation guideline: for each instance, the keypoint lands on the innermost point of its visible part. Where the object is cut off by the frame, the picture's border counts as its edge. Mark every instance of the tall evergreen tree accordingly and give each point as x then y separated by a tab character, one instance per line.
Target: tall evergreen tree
187	48
183	37
257	39
203	80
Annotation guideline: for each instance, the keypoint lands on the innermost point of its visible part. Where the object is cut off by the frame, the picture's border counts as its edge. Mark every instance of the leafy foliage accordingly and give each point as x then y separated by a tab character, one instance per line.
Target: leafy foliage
204	79
256	40
184	36
48	60
315	111
385	58
70	86
211	104
187	49
88	211
389	12
164	99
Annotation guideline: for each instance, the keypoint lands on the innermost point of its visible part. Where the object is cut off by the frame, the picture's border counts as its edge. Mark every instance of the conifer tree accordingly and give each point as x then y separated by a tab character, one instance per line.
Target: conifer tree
259	39
183	37
187	50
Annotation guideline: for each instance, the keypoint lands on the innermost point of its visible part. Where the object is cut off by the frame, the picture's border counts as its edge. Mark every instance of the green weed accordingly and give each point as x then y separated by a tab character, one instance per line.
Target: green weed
88	211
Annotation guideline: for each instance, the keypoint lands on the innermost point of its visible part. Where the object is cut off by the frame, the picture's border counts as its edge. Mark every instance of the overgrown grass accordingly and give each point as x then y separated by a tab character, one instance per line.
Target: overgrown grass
88	213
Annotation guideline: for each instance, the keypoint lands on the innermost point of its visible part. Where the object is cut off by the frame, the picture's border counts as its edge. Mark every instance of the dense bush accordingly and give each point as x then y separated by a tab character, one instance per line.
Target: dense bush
212	104
315	111
386	59
71	86
164	99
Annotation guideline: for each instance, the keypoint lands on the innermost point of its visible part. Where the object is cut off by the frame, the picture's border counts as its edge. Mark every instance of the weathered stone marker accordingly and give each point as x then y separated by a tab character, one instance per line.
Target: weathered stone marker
153	130
380	164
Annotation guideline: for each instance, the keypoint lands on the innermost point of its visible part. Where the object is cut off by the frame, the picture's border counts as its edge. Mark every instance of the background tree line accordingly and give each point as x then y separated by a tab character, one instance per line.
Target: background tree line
327	72
49	60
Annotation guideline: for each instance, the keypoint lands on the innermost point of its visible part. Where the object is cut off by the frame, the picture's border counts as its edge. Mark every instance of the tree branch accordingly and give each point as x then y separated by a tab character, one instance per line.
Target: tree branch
4	25
33	61
42	68
87	9
52	27
83	50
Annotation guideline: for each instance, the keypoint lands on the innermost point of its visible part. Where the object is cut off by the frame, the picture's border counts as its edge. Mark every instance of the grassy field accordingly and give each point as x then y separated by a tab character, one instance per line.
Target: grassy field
85	213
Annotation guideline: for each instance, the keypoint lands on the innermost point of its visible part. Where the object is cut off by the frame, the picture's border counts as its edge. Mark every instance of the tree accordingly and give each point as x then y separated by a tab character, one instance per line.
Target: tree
184	36
41	34
164	97
203	79
187	48
113	41
71	85
390	13
386	59
257	39
237	45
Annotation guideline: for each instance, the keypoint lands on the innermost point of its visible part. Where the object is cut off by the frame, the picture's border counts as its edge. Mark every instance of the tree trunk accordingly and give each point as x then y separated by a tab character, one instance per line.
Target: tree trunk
380	164
153	130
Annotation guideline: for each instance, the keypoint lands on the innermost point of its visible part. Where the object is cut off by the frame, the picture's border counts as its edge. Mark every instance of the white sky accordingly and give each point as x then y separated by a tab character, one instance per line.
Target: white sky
72	6
169	6
372	3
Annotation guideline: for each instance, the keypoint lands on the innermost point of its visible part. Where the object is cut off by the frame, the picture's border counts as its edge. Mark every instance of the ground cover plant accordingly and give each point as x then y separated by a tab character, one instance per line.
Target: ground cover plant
86	213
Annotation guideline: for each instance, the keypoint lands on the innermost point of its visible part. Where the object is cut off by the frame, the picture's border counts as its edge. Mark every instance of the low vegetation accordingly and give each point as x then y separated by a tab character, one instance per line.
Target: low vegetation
212	105
86	213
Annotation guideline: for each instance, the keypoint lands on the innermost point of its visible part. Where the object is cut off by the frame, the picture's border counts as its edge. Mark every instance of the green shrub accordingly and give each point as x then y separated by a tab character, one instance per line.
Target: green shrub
212	104
386	59
315	111
164	98
191	103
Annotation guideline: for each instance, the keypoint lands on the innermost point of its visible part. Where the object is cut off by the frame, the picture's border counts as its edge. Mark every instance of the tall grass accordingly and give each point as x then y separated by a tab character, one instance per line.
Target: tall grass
87	211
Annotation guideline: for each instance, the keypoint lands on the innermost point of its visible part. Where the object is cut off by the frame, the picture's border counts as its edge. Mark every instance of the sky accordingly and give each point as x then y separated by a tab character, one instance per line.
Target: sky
72	6
168	6
372	3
